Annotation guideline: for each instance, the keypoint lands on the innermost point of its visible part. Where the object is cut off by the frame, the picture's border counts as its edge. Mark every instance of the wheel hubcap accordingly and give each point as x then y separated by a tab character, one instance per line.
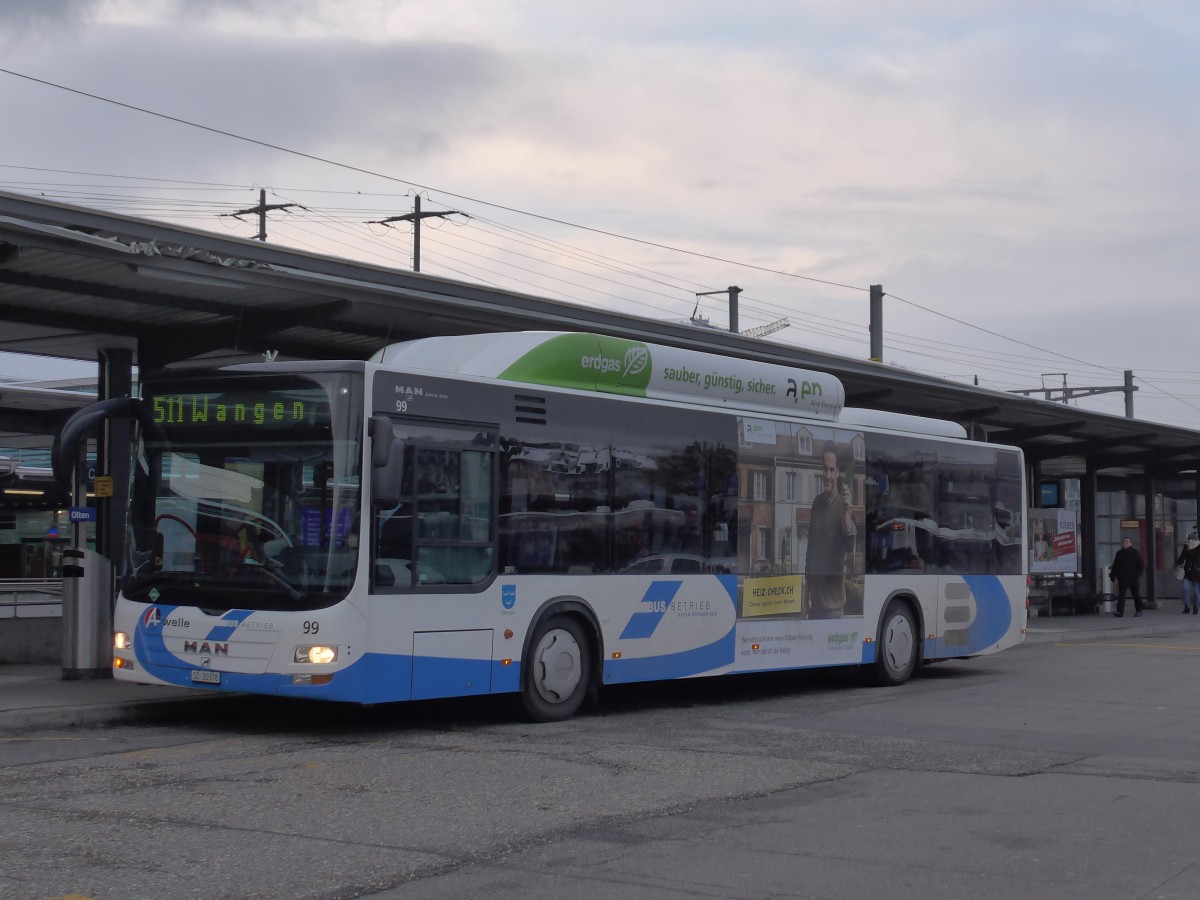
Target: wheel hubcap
557	666
898	643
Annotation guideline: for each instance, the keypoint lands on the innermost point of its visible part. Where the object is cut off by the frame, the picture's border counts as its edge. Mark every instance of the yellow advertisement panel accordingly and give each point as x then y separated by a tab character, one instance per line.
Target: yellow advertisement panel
778	596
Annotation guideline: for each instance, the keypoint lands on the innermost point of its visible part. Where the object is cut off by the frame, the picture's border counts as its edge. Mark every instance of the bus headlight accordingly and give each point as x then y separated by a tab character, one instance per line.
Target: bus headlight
122	641
321	656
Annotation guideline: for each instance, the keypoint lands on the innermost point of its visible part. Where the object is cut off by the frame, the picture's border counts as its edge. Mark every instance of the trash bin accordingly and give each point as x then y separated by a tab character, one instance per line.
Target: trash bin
87	595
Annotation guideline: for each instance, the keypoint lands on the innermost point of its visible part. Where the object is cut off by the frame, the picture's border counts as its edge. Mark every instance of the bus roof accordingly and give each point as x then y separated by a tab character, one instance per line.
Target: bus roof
594	362
875	418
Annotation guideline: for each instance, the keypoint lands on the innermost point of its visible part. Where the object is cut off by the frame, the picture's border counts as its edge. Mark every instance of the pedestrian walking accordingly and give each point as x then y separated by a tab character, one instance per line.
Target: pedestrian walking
1126	570
1189	559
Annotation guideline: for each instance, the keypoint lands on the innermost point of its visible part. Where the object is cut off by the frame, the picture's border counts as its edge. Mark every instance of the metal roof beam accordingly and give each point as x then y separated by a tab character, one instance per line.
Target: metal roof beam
252	331
969	413
1125	440
1168	469
103	291
1018	433
75	323
862	398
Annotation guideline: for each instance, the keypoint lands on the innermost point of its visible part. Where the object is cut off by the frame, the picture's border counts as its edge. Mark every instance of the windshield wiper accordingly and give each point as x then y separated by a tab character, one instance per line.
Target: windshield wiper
268	569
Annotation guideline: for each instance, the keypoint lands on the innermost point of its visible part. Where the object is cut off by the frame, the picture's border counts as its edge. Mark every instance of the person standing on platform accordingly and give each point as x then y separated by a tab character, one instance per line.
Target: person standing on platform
1126	570
1190	560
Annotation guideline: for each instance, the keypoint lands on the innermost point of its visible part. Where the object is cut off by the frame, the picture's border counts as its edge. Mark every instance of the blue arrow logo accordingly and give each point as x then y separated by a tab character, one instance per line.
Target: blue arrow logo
658	597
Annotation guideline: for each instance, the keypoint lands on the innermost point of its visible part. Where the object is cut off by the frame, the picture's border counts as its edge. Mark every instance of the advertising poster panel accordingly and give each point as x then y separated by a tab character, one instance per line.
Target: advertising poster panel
801	516
1053	542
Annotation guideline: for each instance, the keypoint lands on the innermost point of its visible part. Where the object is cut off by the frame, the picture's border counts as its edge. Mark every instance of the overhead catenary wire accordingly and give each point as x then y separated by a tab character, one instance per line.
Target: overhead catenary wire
547	242
834	329
335	219
586	254
364	171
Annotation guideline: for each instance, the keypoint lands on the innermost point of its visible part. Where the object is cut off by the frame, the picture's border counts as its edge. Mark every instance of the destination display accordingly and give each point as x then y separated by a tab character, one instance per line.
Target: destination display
257	409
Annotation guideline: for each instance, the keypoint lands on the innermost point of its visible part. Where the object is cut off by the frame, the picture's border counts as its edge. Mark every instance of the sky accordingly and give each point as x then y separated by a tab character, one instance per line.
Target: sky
1020	177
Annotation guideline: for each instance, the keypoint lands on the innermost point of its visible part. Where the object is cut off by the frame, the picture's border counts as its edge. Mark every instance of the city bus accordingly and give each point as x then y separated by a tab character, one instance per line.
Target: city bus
540	514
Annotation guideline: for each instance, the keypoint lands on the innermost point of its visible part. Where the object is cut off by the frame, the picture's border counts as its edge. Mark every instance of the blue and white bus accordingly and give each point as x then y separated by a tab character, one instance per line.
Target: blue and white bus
540	514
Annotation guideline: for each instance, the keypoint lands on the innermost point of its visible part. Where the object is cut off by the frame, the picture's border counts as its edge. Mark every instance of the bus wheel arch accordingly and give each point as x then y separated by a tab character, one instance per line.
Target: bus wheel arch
560	665
898	641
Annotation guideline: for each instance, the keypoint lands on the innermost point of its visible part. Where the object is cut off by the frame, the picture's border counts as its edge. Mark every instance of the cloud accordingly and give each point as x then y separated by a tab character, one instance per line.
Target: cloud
1030	166
43	19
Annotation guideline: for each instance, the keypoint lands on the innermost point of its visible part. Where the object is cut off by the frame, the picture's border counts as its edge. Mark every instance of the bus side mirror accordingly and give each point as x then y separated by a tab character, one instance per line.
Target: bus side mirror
387	464
83	421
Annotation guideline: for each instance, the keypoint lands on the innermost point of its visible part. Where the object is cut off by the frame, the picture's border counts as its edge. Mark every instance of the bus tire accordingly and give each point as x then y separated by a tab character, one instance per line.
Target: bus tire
898	647
557	673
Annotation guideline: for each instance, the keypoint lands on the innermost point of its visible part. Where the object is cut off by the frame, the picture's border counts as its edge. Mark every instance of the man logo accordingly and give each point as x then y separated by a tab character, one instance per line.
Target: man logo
204	648
151	618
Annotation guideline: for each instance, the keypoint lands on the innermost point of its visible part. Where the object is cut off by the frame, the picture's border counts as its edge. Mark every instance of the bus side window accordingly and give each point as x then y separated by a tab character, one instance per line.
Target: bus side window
394	538
440	533
451	523
395	551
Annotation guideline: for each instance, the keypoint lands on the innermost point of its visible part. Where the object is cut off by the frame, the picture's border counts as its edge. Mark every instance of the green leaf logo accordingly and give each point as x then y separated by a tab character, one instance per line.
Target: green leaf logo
636	360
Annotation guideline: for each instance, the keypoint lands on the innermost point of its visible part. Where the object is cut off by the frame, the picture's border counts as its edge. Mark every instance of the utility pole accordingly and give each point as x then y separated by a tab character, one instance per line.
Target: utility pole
415	217
733	290
877	323
1067	394
262	209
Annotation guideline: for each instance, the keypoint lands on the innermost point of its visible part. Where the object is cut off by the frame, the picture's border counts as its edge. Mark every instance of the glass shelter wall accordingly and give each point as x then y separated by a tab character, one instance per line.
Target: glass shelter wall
1121	513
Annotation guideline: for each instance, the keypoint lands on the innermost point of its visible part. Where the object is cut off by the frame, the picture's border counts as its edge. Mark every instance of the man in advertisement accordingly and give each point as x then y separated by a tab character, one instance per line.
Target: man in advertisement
830	537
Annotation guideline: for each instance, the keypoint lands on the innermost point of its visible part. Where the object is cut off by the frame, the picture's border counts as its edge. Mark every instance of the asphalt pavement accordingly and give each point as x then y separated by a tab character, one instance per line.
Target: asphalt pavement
37	697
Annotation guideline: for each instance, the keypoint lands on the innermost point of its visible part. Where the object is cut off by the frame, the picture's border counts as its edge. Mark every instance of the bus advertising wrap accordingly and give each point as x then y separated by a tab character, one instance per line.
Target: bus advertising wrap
611	365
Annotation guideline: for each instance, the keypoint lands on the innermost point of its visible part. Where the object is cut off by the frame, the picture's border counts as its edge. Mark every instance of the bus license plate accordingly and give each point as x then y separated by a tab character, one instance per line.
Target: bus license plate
206	676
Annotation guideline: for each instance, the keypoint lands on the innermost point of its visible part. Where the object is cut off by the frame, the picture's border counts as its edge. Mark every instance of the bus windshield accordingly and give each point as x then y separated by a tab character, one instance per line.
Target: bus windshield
247	494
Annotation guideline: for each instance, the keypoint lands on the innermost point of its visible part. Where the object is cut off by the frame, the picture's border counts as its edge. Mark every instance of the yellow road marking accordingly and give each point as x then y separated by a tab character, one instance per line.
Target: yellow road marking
30	740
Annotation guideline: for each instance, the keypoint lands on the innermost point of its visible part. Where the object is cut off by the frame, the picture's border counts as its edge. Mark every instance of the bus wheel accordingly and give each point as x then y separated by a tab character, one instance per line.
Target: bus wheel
555	677
896	651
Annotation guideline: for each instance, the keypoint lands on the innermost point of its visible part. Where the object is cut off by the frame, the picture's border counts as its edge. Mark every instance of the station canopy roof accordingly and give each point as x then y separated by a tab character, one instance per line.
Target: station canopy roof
75	282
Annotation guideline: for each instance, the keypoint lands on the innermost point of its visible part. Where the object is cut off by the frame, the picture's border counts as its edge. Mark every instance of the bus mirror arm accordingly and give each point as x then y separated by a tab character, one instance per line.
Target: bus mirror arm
387	463
382	438
83	421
